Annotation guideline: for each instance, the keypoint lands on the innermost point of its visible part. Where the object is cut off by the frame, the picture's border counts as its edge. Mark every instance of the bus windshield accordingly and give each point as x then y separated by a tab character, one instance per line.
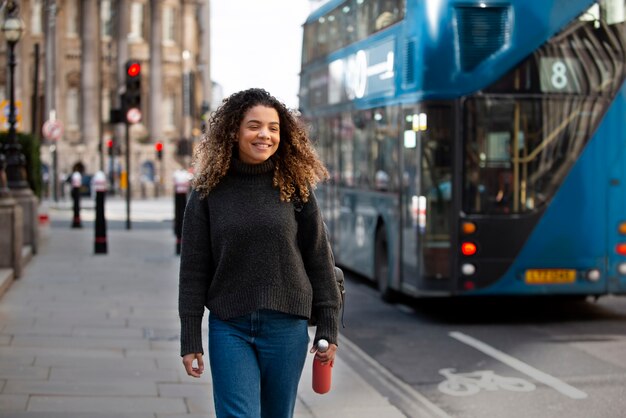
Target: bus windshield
523	134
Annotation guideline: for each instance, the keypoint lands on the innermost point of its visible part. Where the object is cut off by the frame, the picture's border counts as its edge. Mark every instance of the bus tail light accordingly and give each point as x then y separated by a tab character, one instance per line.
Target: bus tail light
622	228
620	249
468	248
593	275
468	228
469	269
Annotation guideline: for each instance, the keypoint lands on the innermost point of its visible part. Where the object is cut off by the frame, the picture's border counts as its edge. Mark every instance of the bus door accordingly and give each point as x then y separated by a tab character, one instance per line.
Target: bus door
427	197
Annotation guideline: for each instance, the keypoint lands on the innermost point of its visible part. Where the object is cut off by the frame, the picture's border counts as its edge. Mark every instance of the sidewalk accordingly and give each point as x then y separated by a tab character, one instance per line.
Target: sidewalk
84	335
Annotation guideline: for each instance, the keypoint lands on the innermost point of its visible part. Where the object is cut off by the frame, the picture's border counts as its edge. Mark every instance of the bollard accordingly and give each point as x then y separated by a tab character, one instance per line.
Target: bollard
100	241
181	187
77	180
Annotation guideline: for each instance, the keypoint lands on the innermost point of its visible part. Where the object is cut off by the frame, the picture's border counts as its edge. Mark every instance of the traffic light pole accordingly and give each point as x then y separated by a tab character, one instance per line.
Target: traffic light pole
128	189
132	114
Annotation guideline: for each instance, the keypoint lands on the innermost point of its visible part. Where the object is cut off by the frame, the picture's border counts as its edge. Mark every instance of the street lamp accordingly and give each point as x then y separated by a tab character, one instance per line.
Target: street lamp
12	28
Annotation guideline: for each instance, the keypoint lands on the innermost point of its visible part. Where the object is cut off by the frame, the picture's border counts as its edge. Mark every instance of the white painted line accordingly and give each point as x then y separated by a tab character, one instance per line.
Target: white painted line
519	365
398	386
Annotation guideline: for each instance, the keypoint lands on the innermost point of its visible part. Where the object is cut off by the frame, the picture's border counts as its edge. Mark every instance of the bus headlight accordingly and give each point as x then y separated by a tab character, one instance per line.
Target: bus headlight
621	269
593	275
468	269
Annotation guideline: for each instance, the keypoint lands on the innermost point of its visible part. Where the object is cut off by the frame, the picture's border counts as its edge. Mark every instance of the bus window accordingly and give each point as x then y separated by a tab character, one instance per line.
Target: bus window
321	45
363	15
517	152
369	148
308	48
335	30
347	150
348	23
386	13
384	159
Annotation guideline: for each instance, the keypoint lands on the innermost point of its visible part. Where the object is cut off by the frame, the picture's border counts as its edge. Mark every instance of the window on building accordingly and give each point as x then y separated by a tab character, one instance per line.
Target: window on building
71	9
105	105
72	103
136	21
169	112
169	25
36	25
106	19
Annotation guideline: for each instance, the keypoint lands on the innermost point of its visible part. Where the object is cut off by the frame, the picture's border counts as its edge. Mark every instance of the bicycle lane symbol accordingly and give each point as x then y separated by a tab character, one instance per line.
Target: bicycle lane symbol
467	384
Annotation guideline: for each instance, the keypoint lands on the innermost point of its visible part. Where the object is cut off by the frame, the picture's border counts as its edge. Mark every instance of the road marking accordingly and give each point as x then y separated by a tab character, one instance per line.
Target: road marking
520	366
416	403
467	384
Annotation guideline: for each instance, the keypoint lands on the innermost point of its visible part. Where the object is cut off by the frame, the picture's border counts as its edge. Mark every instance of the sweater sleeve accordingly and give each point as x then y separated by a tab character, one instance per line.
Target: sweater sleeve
196	271
318	262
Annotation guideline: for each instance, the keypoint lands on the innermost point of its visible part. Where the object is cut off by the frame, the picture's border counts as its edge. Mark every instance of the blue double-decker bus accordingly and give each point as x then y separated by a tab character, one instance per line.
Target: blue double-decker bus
475	147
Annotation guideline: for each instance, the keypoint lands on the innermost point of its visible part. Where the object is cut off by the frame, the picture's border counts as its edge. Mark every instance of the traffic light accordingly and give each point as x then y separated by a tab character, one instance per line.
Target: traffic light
132	97
110	147
159	150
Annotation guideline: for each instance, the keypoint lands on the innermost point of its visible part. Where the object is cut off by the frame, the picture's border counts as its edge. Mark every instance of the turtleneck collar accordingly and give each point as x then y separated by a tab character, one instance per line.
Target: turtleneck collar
240	167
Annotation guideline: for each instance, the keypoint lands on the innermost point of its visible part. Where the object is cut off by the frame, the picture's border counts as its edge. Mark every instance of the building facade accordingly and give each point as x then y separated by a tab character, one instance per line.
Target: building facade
71	68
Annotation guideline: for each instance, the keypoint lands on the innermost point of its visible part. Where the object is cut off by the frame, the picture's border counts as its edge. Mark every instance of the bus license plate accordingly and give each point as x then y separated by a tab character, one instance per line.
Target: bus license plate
550	276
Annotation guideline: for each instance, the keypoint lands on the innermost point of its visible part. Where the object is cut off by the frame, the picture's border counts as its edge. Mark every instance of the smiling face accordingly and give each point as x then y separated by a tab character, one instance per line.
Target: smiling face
259	134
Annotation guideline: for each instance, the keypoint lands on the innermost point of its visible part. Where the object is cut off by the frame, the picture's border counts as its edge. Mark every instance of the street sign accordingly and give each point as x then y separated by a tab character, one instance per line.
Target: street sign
133	115
5	108
52	130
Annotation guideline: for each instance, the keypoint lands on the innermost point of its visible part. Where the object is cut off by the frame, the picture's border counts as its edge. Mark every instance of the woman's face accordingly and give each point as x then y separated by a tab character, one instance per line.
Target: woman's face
259	134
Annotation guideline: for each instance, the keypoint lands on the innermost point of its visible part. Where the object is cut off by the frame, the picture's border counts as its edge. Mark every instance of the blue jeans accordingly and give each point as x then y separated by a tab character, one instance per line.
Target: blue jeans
256	363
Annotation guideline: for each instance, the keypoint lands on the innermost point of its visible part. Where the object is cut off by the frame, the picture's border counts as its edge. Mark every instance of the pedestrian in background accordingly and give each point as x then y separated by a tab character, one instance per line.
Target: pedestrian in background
245	256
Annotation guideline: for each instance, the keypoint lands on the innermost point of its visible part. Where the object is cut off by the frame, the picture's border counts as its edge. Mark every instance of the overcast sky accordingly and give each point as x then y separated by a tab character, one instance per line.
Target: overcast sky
257	43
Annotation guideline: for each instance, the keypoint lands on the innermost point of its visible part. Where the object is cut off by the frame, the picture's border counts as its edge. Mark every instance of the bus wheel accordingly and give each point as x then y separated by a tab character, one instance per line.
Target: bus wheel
381	267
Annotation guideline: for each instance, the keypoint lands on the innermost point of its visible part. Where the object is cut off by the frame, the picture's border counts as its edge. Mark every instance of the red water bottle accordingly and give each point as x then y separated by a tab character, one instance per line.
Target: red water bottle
322	373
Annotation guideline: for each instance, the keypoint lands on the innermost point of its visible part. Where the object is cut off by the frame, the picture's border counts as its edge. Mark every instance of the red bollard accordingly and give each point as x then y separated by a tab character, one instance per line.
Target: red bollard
100	241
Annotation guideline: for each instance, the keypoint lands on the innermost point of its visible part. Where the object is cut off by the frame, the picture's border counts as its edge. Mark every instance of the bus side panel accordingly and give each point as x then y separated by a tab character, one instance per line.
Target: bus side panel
573	232
360	215
357	224
617	192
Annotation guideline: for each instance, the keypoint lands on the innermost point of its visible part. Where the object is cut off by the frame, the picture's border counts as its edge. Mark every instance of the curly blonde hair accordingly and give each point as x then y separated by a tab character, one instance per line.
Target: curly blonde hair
297	166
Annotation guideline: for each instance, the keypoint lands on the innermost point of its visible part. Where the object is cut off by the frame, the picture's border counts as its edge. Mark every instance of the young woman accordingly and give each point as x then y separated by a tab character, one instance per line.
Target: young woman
245	256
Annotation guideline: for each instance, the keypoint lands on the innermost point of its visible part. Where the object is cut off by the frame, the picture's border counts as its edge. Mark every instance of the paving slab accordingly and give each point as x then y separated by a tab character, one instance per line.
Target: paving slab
117	405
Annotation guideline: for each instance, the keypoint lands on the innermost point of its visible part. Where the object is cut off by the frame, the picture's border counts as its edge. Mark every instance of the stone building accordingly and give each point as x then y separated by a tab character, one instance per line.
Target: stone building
71	67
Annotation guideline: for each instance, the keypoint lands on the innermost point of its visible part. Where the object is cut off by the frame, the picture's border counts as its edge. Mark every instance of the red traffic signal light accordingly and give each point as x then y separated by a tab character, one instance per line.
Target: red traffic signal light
133	69
110	143
159	150
132	96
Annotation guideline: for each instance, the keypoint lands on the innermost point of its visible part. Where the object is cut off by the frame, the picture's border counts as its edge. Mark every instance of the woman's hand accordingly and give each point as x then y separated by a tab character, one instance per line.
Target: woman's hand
327	356
188	363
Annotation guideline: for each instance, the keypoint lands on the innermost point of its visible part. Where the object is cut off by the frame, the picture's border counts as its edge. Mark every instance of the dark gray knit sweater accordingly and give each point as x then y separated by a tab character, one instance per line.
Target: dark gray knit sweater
240	253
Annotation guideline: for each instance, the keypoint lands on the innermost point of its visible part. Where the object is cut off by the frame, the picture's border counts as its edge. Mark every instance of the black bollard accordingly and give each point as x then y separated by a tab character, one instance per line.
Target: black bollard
76	183
181	187
100	241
